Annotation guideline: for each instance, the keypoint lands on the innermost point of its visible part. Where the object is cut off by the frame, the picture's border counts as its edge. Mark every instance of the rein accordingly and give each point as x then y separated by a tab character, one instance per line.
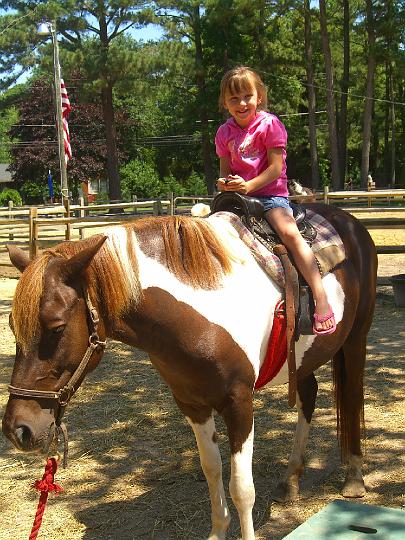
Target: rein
64	394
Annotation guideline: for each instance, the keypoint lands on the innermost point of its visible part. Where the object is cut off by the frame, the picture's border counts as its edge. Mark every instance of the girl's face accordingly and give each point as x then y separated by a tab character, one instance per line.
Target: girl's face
242	105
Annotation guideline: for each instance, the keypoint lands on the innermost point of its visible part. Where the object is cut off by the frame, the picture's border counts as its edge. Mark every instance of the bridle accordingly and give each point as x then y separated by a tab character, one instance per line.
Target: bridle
64	394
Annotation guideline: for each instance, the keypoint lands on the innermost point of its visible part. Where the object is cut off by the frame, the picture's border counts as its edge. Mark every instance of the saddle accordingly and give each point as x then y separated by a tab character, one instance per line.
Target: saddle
251	212
299	305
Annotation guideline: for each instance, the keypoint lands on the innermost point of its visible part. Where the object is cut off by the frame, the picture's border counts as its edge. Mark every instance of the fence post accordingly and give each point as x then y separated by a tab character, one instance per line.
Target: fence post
170	209
68	233
81	215
159	206
135	199
10	217
156	208
325	194
33	232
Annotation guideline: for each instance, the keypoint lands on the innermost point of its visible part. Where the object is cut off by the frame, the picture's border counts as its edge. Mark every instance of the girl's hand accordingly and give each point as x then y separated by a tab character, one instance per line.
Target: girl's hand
221	183
236	183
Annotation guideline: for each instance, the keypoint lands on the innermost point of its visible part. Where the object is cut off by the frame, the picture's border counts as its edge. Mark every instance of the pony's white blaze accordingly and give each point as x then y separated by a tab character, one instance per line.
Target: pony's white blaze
243	306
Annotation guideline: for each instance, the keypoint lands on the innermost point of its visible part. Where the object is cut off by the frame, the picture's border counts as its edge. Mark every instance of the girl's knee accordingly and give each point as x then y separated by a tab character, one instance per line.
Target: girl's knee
290	235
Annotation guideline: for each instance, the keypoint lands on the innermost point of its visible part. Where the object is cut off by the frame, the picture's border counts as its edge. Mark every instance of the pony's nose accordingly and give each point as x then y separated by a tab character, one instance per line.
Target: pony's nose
24	437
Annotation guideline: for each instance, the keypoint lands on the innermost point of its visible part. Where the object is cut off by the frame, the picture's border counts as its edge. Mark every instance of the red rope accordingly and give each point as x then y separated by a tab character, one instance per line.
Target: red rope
45	486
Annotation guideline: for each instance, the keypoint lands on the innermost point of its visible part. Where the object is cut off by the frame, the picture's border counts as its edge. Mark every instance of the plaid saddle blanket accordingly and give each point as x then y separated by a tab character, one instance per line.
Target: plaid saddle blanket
327	247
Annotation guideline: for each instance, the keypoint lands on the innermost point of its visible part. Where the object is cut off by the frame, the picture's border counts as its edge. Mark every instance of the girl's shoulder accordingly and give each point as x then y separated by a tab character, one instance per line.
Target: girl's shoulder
226	127
270	118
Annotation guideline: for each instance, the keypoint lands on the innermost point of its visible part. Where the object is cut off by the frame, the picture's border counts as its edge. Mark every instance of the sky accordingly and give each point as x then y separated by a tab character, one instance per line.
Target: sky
149	32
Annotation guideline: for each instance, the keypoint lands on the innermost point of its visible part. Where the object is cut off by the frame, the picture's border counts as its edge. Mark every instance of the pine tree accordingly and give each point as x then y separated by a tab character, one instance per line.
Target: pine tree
85	26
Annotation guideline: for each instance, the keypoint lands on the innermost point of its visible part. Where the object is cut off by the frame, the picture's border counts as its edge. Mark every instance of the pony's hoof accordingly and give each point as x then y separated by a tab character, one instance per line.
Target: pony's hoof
353	488
286	492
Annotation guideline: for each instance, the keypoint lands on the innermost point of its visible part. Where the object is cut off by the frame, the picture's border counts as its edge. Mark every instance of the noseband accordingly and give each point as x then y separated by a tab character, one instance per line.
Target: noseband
64	395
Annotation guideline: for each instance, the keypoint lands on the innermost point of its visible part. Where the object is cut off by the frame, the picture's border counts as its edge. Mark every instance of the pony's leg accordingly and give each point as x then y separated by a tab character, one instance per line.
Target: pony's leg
350	403
288	489
211	464
238	416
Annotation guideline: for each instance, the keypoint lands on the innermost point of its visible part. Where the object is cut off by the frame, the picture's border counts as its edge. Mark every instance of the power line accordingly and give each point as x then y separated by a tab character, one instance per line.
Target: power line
28	14
340	92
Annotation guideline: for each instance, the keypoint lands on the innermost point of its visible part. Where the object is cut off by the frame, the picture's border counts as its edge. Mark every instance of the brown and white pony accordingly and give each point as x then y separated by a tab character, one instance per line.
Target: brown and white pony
191	295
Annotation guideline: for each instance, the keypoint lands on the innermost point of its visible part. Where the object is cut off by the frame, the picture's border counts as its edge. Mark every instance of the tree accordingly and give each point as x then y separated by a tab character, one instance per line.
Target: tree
35	150
311	97
90	27
330	98
344	85
183	20
368	106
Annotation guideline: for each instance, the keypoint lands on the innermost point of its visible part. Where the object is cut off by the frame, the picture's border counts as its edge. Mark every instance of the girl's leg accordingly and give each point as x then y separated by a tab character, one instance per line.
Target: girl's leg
284	224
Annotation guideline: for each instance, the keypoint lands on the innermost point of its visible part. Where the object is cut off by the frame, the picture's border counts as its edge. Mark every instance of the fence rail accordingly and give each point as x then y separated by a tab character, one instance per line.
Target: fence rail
48	224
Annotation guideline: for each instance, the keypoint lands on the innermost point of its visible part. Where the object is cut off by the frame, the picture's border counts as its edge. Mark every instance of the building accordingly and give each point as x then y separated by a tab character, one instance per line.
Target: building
5	176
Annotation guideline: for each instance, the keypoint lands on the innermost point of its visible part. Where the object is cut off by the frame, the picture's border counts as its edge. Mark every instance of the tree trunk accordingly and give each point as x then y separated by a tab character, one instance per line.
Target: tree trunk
200	79
114	186
311	98
392	121
387	157
345	87
330	102
371	63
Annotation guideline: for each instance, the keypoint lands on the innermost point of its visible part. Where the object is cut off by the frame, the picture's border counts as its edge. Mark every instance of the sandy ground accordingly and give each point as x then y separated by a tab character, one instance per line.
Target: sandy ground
134	470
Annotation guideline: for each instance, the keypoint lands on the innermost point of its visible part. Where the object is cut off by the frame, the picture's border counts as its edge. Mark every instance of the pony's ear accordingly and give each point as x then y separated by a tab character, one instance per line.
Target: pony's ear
78	263
18	257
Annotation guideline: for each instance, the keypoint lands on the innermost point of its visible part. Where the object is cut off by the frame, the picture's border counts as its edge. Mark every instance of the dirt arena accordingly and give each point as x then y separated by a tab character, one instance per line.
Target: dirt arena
134	471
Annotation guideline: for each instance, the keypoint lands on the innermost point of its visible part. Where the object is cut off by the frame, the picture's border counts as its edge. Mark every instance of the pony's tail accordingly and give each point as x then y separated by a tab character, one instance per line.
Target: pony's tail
348	393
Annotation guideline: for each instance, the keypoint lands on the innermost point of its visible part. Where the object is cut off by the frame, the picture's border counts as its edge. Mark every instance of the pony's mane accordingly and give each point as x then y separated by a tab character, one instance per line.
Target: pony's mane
193	252
190	250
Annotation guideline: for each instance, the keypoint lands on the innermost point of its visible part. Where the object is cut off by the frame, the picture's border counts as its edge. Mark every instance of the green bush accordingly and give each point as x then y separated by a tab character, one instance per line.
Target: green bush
171	185
195	185
10	195
140	179
34	193
102	197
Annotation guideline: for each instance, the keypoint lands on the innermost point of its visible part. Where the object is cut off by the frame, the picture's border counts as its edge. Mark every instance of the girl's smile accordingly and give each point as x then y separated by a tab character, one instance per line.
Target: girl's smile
243	106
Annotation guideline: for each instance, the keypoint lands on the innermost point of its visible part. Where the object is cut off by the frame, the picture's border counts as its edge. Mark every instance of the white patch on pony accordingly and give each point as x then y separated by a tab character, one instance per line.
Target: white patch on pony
243	306
211	464
200	210
241	485
117	246
336	298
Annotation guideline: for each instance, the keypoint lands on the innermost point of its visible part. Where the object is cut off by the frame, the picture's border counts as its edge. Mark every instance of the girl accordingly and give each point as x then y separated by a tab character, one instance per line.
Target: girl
251	147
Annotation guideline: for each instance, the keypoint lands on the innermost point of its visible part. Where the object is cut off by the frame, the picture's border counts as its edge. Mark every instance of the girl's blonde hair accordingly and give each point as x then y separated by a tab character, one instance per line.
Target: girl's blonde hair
239	79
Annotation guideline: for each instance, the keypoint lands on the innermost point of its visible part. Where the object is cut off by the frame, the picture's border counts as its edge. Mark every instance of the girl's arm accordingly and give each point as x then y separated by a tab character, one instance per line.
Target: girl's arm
273	171
224	172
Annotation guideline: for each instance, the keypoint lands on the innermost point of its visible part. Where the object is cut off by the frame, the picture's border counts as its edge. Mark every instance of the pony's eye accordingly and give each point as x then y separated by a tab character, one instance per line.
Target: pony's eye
58	329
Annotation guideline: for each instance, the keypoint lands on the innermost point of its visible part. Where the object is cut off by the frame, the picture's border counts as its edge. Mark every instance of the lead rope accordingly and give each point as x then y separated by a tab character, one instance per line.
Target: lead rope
45	486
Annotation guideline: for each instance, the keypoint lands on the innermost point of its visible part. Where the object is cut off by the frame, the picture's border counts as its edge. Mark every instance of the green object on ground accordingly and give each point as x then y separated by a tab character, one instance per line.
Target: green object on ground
344	520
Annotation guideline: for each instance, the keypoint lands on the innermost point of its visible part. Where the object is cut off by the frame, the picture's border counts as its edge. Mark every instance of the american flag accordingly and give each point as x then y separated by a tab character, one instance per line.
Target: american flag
66	108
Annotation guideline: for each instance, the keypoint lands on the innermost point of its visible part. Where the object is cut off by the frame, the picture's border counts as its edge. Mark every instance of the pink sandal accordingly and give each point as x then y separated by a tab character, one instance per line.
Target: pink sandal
327	317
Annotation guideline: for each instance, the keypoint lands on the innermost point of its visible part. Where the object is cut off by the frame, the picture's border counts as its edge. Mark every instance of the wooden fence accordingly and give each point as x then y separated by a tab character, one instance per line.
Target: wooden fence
22	225
49	224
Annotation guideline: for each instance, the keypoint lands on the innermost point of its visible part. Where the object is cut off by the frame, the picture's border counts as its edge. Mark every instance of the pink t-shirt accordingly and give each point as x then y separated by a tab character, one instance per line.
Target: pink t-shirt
246	148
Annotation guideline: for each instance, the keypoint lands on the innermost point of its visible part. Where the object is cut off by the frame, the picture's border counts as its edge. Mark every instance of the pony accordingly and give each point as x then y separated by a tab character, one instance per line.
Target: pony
190	293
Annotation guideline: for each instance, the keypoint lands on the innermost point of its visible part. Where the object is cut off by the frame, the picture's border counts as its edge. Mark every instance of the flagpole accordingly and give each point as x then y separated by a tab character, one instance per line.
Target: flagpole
59	124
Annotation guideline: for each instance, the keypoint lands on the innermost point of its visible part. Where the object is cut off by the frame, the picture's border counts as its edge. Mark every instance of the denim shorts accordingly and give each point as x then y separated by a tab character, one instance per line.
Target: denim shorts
270	202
